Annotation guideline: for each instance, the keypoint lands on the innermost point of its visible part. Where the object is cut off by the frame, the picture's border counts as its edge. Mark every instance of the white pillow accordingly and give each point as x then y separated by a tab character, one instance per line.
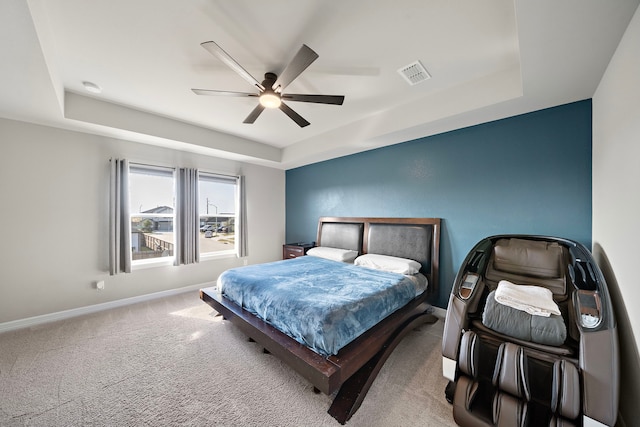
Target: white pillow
335	254
388	263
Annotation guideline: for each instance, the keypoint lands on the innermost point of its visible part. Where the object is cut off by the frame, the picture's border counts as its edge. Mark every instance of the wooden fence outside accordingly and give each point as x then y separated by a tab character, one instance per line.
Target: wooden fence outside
159	248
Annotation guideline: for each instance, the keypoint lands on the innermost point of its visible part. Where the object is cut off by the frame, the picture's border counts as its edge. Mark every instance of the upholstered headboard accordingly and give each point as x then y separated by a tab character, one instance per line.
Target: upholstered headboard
401	240
412	238
342	235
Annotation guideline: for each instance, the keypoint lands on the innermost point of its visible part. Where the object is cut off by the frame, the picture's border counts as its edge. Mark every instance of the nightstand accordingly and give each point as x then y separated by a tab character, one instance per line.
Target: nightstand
294	250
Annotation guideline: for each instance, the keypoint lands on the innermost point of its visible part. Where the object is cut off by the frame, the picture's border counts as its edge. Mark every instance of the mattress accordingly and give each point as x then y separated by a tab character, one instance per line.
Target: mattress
321	303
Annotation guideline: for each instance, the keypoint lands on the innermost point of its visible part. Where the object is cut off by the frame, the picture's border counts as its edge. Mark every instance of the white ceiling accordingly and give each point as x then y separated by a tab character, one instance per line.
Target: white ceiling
488	59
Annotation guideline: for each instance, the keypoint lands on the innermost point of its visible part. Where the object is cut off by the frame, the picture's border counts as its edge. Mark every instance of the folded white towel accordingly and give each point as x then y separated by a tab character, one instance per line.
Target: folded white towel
534	300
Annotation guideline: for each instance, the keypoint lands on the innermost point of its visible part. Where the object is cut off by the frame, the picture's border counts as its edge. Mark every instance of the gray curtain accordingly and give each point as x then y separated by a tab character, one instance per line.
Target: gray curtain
241	227
186	227
119	236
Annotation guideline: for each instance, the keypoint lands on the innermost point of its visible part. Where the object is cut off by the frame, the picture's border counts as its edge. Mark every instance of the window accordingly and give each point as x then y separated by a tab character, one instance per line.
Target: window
152	212
160	215
217	212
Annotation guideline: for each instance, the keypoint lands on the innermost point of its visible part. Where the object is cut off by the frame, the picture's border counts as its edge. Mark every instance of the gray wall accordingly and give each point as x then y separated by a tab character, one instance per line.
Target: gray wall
54	190
527	174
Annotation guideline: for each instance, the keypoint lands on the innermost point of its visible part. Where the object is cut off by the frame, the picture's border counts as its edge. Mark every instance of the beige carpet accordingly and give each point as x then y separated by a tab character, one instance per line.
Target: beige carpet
172	362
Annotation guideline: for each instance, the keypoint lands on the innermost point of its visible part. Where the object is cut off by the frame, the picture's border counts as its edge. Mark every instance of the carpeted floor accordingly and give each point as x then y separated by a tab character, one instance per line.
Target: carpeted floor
171	362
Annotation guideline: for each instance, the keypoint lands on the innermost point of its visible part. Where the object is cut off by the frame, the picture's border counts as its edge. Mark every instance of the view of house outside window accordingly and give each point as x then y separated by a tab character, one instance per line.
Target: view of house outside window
152	212
217	211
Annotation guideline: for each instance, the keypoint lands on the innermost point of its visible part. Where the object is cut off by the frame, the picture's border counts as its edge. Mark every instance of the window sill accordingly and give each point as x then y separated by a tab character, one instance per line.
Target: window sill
151	263
169	261
217	255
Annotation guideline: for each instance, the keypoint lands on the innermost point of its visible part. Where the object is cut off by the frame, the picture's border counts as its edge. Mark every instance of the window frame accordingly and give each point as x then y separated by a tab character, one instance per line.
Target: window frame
226	179
166	171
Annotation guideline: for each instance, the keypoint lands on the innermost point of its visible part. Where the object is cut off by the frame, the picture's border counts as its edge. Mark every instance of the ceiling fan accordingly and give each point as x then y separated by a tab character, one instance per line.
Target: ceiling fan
270	91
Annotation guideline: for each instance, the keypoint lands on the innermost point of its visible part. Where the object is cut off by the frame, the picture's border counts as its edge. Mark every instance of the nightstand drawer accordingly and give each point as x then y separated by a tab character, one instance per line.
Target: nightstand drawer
294	250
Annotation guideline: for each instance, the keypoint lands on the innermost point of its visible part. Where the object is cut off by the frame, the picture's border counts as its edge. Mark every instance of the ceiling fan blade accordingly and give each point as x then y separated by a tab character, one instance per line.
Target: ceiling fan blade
254	114
294	116
318	99
218	52
298	64
222	93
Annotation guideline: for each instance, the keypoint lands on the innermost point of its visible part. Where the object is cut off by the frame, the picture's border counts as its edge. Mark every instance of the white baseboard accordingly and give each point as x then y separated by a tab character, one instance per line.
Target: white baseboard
74	312
440	313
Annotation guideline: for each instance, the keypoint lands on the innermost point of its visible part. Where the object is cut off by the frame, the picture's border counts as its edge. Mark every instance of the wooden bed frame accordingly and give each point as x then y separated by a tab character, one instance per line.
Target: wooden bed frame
352	371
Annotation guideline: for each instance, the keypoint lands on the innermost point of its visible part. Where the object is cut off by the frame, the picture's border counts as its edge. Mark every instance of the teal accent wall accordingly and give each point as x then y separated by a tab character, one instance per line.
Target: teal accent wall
528	174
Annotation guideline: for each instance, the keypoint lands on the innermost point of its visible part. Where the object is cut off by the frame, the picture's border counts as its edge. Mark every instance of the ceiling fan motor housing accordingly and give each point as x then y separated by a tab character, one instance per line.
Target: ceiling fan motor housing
269	80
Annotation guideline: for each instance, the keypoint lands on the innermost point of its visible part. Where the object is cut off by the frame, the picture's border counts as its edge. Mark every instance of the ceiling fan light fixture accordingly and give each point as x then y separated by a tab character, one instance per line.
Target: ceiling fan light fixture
269	99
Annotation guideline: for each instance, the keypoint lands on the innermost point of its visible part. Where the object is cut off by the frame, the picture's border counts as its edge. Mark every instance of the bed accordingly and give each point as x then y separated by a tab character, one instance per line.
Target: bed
348	370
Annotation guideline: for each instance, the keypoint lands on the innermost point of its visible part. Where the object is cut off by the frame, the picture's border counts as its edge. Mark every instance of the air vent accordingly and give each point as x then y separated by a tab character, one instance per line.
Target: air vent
414	73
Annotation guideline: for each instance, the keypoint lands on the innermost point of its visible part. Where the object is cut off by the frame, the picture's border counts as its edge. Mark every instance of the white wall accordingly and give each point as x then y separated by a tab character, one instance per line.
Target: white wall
54	224
616	203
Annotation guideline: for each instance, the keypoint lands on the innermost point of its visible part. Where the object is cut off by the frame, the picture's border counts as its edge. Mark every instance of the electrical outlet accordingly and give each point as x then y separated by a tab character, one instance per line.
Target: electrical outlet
100	285
246	261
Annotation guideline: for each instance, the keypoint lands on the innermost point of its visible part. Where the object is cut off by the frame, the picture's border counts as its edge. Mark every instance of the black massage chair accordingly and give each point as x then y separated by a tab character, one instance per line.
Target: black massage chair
507	367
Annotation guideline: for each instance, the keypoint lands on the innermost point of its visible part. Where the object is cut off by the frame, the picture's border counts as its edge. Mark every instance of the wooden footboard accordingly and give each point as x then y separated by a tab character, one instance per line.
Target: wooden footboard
320	372
351	371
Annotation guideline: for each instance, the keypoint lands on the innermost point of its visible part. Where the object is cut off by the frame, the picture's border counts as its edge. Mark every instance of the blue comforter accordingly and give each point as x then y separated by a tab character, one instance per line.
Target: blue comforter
320	303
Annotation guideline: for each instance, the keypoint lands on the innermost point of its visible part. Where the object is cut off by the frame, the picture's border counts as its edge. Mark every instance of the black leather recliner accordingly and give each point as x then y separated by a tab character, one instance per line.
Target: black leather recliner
507	367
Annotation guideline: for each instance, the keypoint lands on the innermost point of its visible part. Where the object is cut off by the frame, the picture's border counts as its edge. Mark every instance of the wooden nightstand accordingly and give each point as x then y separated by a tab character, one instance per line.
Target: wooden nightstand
294	250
